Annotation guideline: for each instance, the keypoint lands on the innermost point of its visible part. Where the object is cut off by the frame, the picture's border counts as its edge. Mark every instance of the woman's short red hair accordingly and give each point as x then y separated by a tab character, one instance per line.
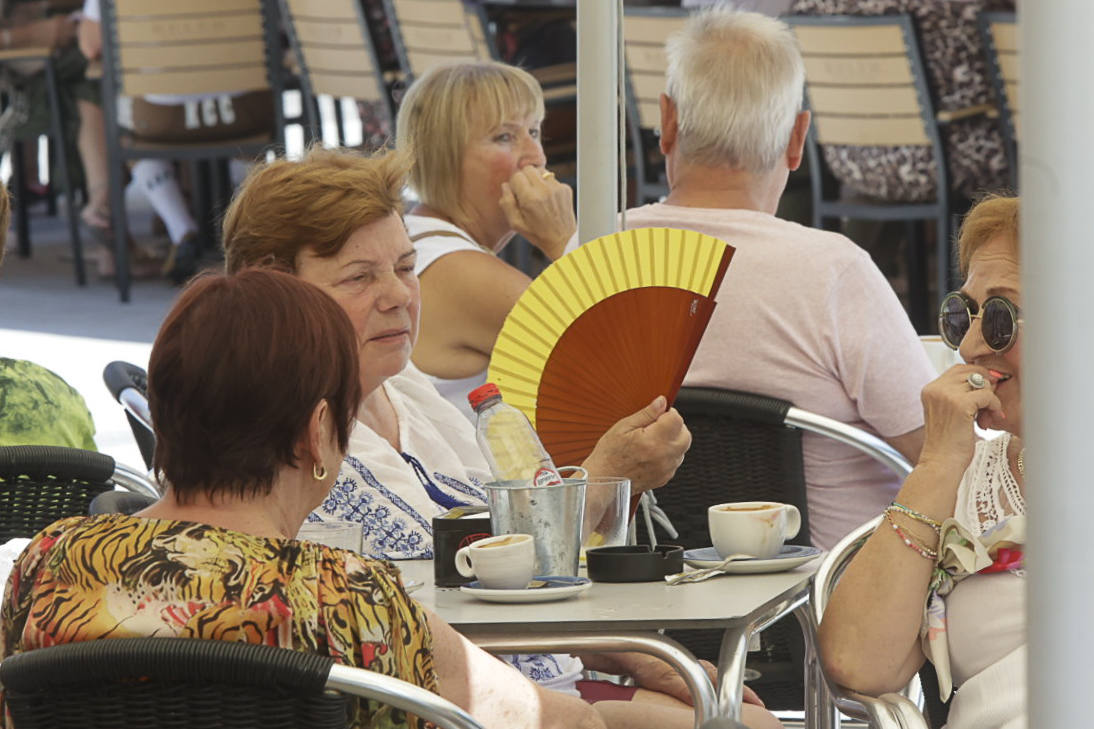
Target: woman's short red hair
236	371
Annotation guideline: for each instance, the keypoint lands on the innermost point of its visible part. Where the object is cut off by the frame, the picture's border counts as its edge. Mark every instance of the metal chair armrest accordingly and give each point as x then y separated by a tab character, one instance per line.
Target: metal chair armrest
133	480
888	711
869	444
134	401
400	694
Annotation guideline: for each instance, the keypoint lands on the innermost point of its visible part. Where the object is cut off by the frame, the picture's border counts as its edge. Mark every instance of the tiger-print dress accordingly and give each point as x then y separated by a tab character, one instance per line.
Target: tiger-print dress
116	576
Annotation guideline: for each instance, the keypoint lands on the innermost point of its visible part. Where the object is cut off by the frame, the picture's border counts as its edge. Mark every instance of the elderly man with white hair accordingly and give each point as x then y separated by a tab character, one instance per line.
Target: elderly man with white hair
803	314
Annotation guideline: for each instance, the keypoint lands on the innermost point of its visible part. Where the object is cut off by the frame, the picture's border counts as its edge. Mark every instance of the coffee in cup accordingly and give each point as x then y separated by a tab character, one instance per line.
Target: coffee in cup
505	562
758	528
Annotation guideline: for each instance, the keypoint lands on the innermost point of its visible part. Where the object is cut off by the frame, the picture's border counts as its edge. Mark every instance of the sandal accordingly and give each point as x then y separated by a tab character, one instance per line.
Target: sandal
143	262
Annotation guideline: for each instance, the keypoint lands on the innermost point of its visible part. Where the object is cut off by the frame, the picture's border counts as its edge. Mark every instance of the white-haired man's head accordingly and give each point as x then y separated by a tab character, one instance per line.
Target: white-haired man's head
736	81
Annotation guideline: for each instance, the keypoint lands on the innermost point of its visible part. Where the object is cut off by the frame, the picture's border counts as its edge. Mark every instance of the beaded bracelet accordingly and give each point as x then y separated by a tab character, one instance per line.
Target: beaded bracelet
921	549
923	518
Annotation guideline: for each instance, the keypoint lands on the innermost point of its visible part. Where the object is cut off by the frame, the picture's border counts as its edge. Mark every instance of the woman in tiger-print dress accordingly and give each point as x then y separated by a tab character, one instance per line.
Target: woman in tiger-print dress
252	423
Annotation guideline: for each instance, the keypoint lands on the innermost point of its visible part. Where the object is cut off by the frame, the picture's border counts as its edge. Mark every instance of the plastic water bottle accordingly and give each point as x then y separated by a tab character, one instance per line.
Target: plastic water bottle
509	442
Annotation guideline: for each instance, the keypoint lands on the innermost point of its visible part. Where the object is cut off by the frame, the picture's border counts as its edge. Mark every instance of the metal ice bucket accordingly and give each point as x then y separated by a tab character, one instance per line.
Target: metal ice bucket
551	514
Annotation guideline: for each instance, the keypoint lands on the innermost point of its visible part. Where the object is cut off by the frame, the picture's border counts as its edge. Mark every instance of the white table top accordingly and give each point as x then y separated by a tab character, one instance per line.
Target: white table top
720	602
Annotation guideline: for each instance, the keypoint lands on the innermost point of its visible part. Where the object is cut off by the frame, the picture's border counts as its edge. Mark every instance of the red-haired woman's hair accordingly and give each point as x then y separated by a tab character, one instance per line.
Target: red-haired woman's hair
236	371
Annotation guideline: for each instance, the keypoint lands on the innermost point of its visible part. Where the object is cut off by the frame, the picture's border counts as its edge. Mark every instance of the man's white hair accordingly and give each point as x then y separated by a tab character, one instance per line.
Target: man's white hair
736	79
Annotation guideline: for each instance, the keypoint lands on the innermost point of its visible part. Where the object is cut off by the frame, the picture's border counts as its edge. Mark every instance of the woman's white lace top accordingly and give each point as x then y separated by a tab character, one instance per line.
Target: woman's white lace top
989	492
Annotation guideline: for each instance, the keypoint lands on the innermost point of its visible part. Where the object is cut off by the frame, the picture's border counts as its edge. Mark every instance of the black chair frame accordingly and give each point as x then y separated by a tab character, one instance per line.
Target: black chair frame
998	83
165	683
57	137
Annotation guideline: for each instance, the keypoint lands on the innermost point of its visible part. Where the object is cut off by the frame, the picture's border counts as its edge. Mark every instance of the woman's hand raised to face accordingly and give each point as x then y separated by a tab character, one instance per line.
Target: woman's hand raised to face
540	208
646	447
950	407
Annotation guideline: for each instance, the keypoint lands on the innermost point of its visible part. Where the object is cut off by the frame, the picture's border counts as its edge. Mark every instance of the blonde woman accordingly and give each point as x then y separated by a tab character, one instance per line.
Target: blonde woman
472	132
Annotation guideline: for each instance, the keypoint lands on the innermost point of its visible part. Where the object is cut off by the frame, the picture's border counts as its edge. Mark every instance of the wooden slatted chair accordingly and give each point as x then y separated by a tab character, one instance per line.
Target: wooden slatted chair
197	47
866	87
432	32
337	58
644	34
1000	34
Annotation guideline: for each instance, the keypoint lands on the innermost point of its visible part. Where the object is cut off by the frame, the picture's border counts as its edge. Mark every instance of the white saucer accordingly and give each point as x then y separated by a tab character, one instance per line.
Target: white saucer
790	557
557	588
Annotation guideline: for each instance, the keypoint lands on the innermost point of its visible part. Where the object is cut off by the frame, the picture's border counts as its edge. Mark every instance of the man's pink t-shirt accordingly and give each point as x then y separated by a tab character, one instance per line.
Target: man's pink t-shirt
805	315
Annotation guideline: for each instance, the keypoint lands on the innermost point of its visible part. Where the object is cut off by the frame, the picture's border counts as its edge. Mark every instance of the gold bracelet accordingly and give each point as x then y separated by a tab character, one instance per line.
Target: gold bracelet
921	549
922	518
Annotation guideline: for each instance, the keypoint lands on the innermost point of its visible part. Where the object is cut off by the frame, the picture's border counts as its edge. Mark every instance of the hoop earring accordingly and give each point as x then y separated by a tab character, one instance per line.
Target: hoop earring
318	472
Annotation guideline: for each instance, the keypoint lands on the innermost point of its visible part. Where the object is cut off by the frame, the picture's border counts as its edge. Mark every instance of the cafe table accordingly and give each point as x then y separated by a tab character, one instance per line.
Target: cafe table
627	617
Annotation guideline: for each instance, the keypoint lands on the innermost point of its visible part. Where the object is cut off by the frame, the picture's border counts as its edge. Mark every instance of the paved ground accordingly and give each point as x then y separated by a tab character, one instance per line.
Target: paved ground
75	331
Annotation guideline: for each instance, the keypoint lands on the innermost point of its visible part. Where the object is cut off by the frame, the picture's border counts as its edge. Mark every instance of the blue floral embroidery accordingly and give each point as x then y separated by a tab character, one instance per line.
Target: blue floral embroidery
388	534
457	485
538	668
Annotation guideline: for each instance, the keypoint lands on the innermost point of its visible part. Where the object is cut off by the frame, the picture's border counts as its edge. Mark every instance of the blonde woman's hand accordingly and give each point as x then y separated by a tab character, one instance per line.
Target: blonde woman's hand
540	208
950	408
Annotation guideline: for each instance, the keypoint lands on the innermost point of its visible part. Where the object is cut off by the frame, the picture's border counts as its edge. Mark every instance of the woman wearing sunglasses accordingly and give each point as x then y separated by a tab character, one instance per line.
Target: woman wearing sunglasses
941	579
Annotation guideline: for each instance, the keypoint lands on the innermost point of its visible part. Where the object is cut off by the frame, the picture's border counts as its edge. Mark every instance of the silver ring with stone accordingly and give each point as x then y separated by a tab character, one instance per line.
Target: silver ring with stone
976	381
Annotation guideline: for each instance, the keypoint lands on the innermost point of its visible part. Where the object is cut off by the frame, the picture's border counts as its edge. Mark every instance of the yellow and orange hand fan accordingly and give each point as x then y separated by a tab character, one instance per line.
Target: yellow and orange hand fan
604	330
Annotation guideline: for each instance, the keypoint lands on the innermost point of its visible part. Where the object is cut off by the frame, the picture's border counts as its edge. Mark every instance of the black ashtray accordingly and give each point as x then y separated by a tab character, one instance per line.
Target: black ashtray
639	563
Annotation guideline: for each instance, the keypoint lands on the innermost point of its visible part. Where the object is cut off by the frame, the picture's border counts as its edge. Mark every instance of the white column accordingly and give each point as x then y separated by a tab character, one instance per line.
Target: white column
1057	177
597	118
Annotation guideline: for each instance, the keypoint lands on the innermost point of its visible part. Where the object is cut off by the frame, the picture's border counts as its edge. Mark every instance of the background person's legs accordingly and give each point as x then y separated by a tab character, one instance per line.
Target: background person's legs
155	178
91	142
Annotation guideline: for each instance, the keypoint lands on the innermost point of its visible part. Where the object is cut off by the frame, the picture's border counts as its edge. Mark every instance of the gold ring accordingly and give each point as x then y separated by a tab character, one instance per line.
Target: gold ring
547	175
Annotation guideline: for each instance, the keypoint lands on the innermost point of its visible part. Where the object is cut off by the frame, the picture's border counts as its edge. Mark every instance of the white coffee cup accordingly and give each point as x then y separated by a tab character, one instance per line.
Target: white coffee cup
758	528
505	562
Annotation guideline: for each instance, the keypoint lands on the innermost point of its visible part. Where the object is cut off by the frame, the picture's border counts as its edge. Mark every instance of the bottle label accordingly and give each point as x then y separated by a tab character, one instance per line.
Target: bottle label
547	477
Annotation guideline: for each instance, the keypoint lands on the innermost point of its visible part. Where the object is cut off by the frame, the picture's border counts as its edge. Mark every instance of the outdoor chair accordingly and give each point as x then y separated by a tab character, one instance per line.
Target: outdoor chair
747	447
644	34
163	683
197	47
119	502
56	133
41	484
334	49
431	32
128	383
999	32
866	87
889	711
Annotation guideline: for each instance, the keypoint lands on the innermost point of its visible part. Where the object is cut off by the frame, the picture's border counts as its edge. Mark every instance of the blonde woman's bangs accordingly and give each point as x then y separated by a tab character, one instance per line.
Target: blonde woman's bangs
499	94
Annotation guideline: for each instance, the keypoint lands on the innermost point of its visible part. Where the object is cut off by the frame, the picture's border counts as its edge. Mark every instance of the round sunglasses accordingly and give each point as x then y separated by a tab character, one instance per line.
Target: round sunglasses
999	320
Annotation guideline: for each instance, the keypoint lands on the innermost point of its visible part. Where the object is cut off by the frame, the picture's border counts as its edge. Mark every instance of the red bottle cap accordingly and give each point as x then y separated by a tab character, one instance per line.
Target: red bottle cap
482	393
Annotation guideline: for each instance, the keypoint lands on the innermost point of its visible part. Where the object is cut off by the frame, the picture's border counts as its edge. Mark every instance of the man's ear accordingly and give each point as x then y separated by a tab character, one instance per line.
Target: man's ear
669	125
796	145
